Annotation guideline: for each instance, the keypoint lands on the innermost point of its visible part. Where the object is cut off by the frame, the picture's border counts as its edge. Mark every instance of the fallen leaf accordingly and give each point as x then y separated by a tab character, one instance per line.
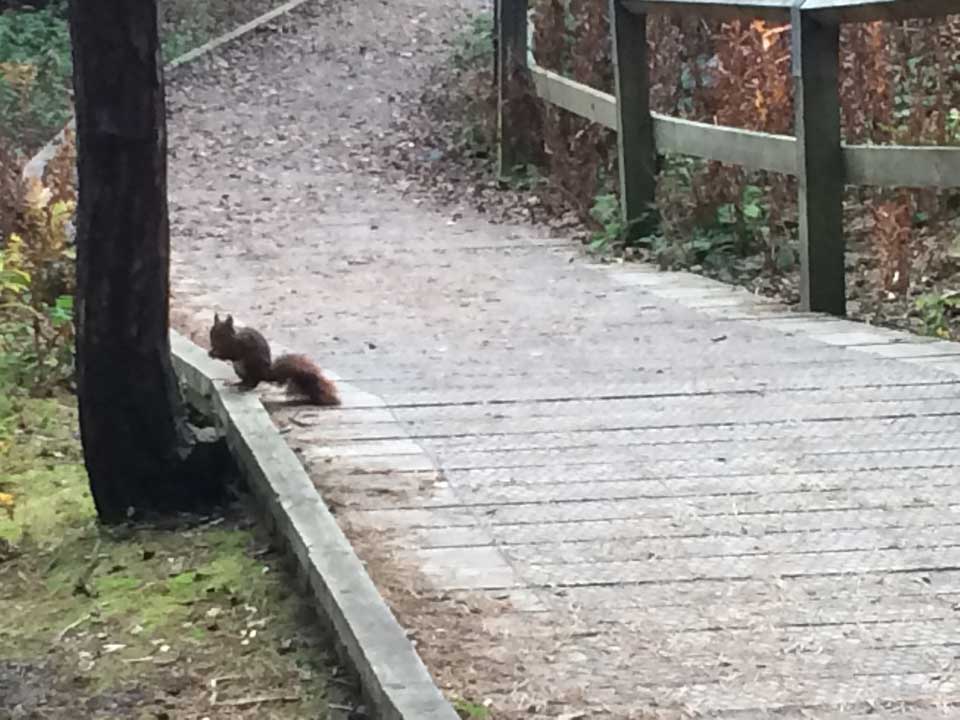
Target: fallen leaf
8	502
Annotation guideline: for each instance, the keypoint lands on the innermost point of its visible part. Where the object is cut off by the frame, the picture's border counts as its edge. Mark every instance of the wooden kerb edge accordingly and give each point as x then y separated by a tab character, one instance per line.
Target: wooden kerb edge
729	303
38	163
393	677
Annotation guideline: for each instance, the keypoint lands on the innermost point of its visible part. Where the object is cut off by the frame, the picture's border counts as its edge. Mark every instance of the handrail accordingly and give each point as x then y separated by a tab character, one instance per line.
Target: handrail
834	11
816	153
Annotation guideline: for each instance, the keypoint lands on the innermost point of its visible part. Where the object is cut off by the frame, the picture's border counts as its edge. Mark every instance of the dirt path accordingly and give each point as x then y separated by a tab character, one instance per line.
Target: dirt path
269	145
586	492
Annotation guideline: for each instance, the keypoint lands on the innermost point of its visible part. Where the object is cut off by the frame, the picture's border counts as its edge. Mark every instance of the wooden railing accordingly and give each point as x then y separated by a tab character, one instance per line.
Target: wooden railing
815	155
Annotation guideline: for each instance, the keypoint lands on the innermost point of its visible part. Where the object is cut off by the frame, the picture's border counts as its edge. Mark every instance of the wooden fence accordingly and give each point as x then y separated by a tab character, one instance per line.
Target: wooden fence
816	155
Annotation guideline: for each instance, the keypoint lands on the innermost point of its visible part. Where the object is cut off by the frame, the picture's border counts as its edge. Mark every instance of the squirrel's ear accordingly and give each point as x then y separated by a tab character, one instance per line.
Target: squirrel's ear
229	321
216	318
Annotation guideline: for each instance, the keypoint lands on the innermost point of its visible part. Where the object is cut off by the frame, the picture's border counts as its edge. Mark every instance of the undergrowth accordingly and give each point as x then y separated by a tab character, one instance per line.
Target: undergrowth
899	83
37	280
35	72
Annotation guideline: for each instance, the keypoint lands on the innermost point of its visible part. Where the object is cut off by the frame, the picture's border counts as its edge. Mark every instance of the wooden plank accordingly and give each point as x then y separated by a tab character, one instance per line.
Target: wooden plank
637	159
753	150
890	166
513	120
582	100
901	166
816	54
846	11
777	10
825	11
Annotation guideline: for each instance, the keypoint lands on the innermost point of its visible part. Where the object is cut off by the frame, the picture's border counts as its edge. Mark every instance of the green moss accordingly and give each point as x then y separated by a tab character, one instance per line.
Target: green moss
111	584
48	501
40	466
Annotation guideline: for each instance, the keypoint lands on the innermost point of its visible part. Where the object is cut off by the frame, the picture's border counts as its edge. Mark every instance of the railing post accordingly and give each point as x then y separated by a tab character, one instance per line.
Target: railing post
513	123
495	41
637	156
816	58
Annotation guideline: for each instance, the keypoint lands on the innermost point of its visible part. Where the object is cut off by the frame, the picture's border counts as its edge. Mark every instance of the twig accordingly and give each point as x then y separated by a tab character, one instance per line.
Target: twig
80	588
75	624
242	702
224	678
54	556
146	658
217	681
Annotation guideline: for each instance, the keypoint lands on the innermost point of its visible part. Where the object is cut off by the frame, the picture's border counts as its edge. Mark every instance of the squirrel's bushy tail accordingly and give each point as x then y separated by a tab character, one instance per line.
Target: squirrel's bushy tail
304	377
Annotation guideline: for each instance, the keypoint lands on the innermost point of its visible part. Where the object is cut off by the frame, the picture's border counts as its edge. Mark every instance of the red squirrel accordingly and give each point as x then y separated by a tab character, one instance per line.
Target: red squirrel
250	354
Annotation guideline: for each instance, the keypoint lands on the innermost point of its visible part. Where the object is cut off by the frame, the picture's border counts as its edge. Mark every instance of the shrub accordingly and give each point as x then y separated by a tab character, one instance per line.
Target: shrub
37	285
35	69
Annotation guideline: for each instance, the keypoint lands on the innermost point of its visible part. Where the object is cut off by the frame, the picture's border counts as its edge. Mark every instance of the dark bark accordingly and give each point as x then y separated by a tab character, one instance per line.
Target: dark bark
139	450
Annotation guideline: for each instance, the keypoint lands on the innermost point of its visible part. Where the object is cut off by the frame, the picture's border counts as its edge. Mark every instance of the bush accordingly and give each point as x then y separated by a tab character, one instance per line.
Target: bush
37	285
35	68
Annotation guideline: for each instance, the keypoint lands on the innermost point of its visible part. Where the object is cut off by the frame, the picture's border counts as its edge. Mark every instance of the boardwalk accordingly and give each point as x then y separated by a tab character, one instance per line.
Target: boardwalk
588	491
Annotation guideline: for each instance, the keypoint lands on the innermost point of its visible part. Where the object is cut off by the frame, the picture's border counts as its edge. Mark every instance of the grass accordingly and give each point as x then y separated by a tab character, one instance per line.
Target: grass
145	622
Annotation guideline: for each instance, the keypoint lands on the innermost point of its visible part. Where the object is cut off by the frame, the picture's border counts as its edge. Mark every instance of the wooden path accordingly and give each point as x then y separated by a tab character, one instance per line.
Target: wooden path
654	491
588	491
722	509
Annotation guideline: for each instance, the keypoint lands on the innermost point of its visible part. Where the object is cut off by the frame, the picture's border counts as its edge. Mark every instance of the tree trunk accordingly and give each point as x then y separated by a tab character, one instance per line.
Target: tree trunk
138	448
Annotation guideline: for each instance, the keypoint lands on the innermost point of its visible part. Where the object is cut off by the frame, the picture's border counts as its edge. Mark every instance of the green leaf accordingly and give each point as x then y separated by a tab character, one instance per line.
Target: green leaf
727	214
752	194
